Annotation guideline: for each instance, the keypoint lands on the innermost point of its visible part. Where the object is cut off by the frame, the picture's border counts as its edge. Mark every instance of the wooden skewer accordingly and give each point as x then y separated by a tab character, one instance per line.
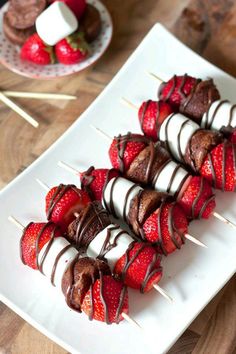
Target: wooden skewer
124	315
16	222
129	103
42	184
131	320
222	218
68	168
18	110
102	133
39	95
195	240
154	76
163	292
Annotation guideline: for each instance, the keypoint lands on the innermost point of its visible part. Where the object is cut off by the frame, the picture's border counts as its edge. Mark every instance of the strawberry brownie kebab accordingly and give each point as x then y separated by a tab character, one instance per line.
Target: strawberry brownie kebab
88	227
153	216
86	283
195	98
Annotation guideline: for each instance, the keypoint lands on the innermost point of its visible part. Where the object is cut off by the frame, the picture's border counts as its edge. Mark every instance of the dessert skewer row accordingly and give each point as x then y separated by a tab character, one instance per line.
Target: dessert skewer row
199	100
86	282
186	135
152	216
140	160
93	231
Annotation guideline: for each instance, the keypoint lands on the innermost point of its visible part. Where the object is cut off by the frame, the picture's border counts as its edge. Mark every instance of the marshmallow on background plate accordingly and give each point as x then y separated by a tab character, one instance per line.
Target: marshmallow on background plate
56	23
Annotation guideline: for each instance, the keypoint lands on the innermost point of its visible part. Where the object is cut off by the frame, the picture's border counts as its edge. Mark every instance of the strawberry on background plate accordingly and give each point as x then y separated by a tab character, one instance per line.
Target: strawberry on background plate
36	235
151	115
62	202
37	52
77	6
106	300
72	49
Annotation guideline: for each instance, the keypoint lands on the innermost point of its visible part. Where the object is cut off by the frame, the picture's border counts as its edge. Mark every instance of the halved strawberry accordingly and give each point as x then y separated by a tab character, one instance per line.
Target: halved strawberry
63	201
106	300
166	227
124	149
219	167
151	115
197	200
144	267
34	237
94	181
176	89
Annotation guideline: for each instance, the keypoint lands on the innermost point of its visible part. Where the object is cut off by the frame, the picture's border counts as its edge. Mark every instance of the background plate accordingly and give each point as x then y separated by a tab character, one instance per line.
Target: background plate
192	276
9	53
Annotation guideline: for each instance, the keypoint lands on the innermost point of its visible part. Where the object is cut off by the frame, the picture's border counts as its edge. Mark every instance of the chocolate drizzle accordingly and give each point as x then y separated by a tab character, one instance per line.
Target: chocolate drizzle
145	109
87	179
174	87
208	122
58	257
107	245
151	270
59	193
39	265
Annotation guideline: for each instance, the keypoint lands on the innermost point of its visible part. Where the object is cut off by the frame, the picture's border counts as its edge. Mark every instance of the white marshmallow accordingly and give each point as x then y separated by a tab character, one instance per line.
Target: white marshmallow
59	243
56	23
121	191
165	176
123	242
220	111
169	132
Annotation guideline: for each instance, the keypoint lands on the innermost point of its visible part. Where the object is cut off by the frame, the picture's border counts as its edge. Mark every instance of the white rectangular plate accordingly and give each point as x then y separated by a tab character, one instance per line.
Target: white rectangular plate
192	275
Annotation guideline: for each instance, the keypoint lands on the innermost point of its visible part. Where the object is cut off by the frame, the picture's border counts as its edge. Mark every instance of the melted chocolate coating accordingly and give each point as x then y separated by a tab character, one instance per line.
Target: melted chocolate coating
201	97
79	277
91	220
200	145
142	206
148	164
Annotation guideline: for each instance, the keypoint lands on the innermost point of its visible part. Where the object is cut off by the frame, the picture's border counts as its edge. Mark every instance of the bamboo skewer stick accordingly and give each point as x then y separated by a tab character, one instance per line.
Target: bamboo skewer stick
39	95
18	110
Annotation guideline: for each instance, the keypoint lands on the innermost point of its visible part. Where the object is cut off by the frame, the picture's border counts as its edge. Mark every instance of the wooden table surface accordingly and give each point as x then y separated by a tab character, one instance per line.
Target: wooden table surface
207	26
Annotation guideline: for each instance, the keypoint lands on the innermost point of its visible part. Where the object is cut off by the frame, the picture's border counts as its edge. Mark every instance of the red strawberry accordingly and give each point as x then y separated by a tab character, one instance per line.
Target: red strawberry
94	181
173	226
144	269
197	199
151	115
106	300
37	52
63	201
77	6
176	89
72	49
124	149
33	235
219	167
232	137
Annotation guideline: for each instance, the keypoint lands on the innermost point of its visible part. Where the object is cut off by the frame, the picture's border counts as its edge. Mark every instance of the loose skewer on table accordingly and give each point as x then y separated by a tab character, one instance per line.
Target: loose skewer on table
39	95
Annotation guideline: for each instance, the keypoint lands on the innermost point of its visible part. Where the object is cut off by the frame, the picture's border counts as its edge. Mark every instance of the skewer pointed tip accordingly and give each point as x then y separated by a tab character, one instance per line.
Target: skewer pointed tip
195	240
16	222
131	320
224	220
128	103
42	184
68	167
102	133
163	293
154	76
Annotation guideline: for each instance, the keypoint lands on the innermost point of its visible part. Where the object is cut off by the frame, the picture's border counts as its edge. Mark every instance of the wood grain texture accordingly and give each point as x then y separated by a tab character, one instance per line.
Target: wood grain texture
209	27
